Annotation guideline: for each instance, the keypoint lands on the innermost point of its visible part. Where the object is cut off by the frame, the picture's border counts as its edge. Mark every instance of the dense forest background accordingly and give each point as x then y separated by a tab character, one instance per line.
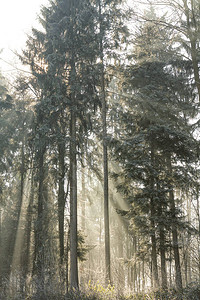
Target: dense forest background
99	154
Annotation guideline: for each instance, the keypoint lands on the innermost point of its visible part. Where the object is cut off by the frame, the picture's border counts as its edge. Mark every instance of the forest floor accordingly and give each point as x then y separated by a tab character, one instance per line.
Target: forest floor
189	293
97	292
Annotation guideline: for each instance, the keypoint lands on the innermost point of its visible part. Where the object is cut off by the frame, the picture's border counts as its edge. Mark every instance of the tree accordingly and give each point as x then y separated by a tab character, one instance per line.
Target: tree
153	125
69	57
111	22
6	114
105	154
190	28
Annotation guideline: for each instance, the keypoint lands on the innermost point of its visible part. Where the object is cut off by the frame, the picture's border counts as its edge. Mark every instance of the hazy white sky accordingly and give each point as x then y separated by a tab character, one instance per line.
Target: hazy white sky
16	19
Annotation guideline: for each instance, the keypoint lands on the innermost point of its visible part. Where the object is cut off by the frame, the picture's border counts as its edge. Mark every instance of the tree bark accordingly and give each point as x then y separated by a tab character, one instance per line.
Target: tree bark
198	238
61	198
134	264
73	205
39	229
162	245
120	234
83	206
143	275
192	35
26	259
19	215
73	166
154	254
153	234
1	252
67	261
105	158
163	259
174	230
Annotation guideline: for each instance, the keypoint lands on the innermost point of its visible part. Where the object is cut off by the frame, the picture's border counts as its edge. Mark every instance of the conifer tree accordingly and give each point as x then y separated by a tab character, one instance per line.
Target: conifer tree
110	19
69	50
152	123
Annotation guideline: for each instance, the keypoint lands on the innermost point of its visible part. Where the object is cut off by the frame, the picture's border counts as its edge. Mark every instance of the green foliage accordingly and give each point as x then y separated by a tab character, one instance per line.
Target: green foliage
102	293
154	124
83	248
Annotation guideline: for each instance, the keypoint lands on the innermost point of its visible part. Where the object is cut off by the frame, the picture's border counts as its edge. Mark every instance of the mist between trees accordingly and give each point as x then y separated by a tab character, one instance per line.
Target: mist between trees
99	152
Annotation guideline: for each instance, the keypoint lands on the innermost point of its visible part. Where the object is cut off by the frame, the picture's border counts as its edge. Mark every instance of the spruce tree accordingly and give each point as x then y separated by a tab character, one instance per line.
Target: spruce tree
153	128
111	23
68	74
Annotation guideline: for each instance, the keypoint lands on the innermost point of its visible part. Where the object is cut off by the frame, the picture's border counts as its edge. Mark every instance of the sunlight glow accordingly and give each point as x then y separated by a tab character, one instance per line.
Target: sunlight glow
16	20
19	243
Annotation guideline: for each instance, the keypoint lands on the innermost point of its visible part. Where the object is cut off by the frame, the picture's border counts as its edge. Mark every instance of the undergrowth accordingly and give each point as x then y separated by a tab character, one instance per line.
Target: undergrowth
95	291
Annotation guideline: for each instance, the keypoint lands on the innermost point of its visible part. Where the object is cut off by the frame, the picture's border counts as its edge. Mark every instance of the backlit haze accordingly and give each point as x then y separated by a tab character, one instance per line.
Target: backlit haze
17	17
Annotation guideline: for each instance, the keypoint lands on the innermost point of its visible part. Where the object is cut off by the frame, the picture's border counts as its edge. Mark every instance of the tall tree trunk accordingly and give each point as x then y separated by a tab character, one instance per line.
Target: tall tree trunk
134	264
82	270
174	230
152	217
20	202
120	235
61	199
18	242
188	250
26	259
39	230
61	206
83	202
185	260
198	238
129	255
73	166
162	245
192	35
163	258
67	260
105	157
139	278
154	252
73	205
170	262
1	252
143	274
